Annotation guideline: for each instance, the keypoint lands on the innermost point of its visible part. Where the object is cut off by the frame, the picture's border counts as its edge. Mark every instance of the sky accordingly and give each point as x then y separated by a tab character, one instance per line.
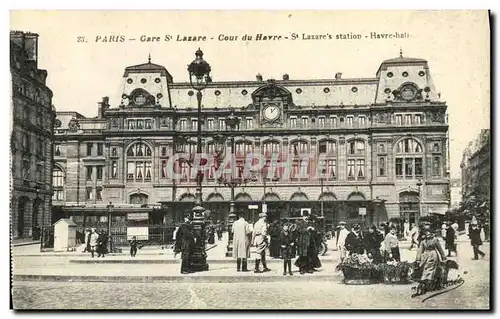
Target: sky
455	43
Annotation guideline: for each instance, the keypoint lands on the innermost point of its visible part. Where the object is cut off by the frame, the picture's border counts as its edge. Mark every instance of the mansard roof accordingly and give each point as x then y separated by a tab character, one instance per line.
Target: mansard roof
148	68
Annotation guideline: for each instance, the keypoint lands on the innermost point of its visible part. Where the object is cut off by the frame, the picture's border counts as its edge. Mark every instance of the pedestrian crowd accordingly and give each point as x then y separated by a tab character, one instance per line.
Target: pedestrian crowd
96	242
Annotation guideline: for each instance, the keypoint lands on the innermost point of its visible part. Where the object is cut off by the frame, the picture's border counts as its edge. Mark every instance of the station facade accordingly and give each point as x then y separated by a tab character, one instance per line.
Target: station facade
384	137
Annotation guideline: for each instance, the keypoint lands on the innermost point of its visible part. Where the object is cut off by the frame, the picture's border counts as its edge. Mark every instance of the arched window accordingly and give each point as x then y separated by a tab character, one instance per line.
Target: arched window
139	162
356	162
58	183
409	159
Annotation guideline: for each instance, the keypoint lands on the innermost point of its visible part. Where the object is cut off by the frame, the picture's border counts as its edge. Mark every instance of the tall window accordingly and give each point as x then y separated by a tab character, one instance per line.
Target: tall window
57	150
89	193
331	169
409	159
399	119
163	169
350	120
436	166
303	169
362	121
114	169
100	149
98	193
293	122
89	149
210	124
381	166
89	173
58	183
194	124
305	121
351	169
360	168
333	121
321	121
418	119
139	162
249	124
182	124
222	124
408	119
99	172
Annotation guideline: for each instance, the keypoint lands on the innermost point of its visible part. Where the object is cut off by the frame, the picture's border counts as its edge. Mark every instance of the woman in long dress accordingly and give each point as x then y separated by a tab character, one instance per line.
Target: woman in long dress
430	254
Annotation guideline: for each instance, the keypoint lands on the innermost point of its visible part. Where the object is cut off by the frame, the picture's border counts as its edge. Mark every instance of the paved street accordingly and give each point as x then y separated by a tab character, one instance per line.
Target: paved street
289	294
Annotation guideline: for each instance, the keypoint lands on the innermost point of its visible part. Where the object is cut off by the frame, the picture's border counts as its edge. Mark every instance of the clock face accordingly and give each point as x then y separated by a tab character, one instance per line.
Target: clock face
408	92
272	112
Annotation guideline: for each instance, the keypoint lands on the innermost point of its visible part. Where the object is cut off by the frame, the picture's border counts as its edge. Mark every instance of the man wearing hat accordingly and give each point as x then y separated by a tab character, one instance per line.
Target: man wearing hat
354	241
184	241
341	240
260	241
475	239
241	244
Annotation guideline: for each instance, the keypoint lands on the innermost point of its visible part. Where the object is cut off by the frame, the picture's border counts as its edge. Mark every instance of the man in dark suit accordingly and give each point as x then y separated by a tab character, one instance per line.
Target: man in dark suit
475	240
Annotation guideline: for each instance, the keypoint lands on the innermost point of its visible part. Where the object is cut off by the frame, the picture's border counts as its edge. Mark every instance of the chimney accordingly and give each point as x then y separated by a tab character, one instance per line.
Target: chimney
286	77
338	75
259	77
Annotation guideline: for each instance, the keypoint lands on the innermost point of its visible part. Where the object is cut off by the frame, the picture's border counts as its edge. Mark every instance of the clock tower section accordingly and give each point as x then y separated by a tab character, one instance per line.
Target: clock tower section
146	84
272	100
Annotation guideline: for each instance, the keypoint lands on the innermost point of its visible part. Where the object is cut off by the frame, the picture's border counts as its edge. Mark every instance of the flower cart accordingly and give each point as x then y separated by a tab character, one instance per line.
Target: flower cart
360	270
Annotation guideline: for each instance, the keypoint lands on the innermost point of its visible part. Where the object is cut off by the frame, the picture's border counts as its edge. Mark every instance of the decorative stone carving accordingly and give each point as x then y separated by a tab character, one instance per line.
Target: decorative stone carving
73	125
342	140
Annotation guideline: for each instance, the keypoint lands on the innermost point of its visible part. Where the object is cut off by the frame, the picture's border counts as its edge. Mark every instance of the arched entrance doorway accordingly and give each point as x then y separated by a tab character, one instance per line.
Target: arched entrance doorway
298	201
241	202
184	206
217	206
409	206
331	217
274	206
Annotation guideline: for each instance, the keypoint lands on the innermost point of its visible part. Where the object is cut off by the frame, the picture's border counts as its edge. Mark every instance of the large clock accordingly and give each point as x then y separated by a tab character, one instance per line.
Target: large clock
271	112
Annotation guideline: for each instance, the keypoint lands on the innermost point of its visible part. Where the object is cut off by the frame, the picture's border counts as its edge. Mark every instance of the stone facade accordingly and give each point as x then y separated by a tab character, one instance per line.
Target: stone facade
476	170
31	138
385	138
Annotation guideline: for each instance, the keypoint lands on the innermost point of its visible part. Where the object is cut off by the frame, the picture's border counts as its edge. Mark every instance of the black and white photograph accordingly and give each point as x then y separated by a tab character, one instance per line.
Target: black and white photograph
251	160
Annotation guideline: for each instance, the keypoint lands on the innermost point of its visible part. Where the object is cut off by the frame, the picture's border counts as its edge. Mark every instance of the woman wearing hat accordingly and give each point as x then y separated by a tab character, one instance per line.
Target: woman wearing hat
430	254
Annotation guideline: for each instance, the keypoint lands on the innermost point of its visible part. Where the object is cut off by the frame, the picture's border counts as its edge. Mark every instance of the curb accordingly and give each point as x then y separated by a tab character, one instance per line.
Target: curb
176	279
26	243
173	261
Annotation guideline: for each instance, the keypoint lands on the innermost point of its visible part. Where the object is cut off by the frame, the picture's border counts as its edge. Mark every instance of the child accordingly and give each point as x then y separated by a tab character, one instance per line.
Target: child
133	247
287	248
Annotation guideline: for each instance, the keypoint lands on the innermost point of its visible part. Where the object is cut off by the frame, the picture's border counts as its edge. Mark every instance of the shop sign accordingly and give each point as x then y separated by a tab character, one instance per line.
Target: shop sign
137	216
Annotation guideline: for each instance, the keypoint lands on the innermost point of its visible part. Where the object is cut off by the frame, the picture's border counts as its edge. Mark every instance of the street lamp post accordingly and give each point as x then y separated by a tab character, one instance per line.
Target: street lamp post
199	78
322	179
419	185
232	123
110	245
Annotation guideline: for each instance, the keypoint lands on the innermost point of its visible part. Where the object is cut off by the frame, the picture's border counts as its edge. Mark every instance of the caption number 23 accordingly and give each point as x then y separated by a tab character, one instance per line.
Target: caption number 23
81	39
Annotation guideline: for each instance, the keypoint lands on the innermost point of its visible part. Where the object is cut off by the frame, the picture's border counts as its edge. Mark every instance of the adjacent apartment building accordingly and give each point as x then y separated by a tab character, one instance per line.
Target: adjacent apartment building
31	139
